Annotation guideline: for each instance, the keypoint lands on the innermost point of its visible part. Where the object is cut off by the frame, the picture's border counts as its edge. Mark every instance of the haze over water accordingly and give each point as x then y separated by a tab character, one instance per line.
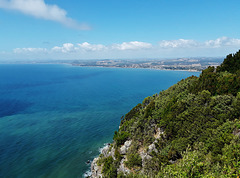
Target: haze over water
54	118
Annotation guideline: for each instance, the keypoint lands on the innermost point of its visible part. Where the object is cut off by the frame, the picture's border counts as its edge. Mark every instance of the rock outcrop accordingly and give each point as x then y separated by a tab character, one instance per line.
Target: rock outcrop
95	169
122	168
125	147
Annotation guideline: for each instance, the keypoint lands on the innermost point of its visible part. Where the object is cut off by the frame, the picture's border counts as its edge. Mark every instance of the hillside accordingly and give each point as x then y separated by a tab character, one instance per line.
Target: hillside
191	129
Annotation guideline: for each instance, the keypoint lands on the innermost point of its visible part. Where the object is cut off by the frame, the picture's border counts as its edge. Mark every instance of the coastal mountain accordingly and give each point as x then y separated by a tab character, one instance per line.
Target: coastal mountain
191	129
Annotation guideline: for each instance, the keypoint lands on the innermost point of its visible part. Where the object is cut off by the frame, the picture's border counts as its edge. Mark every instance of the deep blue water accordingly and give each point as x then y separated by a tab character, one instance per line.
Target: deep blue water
53	118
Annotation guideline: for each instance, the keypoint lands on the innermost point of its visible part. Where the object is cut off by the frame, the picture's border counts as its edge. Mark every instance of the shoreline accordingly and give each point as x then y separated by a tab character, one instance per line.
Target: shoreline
88	172
112	67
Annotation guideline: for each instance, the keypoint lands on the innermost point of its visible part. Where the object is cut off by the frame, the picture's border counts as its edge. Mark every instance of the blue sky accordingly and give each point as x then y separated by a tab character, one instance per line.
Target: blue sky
115	29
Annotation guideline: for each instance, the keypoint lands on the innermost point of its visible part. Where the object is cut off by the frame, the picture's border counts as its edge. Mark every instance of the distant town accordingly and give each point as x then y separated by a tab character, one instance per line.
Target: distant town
189	64
186	64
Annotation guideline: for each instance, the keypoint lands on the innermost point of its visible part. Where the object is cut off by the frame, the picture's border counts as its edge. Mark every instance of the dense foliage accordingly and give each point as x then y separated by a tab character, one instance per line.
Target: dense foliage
231	63
200	117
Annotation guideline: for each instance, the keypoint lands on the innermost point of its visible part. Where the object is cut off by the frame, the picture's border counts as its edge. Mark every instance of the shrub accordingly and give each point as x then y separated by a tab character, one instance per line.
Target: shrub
120	137
109	169
133	160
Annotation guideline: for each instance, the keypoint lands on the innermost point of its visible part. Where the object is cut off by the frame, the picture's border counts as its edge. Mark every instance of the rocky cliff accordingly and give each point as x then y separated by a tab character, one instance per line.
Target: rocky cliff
188	130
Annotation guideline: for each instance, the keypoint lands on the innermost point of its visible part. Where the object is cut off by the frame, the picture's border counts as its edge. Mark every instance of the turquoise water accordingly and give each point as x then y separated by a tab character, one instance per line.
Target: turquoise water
54	118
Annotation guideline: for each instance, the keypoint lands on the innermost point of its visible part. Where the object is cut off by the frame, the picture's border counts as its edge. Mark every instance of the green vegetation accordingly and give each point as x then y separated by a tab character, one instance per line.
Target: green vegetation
231	63
120	137
109	169
133	160
200	117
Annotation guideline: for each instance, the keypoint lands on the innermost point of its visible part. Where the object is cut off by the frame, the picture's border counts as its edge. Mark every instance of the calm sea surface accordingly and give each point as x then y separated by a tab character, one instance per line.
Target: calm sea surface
54	118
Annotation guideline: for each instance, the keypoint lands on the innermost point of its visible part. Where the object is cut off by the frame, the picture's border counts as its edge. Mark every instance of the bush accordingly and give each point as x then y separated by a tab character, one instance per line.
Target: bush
118	156
109	169
133	160
120	137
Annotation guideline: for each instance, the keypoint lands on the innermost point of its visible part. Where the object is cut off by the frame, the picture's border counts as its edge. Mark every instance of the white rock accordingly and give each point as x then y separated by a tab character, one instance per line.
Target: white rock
105	151
159	133
122	168
151	148
125	147
144	157
95	169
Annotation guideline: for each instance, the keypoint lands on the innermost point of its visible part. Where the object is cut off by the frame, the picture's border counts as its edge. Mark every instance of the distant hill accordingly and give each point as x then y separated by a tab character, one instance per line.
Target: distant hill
191	129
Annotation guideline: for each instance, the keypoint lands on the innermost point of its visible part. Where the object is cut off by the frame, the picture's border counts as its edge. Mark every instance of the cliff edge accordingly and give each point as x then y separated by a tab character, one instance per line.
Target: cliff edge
191	129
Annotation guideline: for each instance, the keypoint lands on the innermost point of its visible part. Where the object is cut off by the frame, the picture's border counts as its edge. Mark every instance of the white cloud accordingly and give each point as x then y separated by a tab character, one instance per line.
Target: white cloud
92	47
39	9
223	41
184	43
85	46
135	49
133	45
181	43
65	48
29	50
69	47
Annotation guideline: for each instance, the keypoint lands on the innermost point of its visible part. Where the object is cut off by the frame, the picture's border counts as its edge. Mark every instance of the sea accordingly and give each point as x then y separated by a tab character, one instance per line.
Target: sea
54	118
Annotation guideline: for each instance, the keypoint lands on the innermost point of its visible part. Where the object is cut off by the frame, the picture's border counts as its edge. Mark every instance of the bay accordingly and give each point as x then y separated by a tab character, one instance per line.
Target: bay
54	118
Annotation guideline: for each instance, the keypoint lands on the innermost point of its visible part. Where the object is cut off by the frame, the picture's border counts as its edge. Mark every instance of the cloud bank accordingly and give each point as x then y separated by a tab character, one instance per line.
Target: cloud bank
41	10
87	47
133	49
183	43
223	42
133	45
29	50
